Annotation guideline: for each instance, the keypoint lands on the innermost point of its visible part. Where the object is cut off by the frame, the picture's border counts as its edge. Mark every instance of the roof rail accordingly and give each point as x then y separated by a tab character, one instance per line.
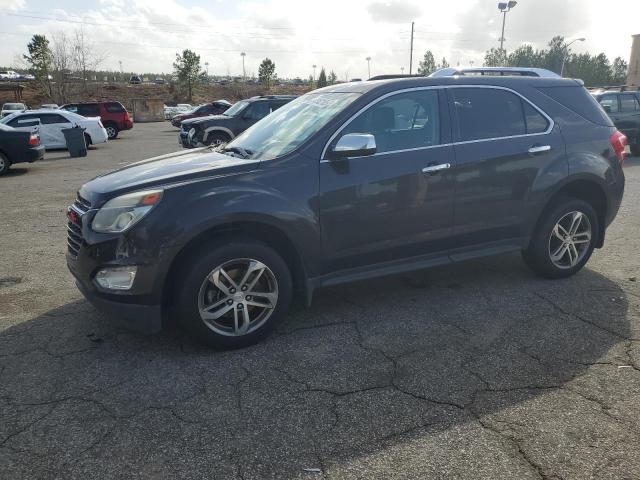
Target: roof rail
392	76
495	71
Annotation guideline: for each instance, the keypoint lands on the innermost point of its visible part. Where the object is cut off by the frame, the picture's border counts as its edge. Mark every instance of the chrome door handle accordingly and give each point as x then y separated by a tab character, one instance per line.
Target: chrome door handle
436	168
540	149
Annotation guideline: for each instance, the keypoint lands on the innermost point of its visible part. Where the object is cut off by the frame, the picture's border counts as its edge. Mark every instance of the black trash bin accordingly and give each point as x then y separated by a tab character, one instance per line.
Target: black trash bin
75	141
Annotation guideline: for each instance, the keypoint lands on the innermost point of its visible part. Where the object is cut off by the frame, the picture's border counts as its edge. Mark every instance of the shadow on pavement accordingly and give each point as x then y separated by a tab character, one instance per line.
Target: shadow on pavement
391	367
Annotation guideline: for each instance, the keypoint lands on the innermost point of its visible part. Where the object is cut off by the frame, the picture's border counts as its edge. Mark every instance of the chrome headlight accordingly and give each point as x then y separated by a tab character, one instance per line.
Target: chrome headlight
121	213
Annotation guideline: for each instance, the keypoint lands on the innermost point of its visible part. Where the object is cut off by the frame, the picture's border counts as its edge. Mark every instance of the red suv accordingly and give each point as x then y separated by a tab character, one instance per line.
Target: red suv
113	115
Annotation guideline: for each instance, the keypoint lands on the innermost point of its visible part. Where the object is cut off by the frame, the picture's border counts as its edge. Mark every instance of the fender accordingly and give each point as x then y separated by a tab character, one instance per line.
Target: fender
208	130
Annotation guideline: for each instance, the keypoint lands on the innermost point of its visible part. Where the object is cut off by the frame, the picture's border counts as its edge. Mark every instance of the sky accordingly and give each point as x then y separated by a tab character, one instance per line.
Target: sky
145	35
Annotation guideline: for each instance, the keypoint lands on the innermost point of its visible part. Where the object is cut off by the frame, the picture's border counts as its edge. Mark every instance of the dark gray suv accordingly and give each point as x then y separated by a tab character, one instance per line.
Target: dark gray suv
347	183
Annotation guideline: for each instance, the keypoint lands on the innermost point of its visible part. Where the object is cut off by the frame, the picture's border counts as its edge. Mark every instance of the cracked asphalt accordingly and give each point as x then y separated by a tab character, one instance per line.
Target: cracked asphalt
475	371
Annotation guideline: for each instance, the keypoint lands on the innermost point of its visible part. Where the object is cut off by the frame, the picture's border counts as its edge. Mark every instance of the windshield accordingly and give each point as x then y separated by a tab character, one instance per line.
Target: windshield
235	109
289	126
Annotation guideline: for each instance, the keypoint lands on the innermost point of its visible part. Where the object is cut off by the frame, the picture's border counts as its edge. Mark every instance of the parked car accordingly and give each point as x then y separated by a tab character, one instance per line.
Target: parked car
9	108
172	111
135	80
159	81
51	124
346	183
220	129
18	147
50	106
213	108
623	107
113	115
8	75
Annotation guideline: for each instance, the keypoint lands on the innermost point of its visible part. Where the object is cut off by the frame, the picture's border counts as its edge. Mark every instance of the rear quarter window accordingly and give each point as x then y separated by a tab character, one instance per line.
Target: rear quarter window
579	100
114	107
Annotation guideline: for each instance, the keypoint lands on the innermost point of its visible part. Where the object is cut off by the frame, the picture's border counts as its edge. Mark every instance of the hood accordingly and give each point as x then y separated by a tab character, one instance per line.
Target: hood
199	120
166	169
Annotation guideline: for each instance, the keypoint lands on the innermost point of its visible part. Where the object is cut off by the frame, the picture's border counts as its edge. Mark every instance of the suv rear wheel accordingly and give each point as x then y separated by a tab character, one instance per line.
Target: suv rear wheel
233	293
564	239
112	130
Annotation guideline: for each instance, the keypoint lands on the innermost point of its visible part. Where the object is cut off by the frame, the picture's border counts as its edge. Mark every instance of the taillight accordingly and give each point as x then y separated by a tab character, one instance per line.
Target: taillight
619	144
34	140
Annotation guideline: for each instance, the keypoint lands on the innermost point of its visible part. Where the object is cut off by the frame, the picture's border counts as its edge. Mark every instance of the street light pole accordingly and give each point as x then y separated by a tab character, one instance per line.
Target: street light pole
244	72
314	73
368	59
566	53
505	7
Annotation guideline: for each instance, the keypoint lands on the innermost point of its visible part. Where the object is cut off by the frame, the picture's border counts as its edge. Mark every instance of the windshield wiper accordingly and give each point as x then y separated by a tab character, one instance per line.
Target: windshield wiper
238	150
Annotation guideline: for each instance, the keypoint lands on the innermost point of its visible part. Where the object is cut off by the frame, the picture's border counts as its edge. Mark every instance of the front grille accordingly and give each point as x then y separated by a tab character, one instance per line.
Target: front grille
74	225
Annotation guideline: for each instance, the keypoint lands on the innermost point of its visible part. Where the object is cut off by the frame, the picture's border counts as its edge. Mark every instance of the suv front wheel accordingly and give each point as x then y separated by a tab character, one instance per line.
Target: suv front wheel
232	294
564	239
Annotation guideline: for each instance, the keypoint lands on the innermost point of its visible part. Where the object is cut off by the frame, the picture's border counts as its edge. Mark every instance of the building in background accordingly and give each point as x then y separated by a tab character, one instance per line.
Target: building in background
633	77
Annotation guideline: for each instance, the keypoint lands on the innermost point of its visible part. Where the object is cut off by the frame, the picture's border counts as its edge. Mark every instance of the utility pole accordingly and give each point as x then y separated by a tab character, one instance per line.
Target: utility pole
505	7
314	73
244	72
411	51
368	59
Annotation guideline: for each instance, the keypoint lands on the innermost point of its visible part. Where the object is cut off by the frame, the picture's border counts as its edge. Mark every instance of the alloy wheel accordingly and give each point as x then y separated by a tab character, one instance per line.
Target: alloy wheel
238	297
111	132
570	240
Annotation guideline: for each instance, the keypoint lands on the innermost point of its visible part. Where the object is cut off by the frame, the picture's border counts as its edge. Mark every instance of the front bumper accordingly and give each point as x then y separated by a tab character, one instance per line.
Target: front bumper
141	306
139	317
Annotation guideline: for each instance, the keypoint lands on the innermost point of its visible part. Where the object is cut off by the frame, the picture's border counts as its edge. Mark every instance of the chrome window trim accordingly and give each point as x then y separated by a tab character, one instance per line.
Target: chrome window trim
464	142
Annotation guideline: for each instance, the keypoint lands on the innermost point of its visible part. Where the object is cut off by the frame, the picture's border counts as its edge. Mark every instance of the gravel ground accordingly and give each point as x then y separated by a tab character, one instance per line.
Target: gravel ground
478	370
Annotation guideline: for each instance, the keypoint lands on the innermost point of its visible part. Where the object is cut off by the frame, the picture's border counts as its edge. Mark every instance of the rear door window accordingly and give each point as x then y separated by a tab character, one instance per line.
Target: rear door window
52	118
486	113
88	109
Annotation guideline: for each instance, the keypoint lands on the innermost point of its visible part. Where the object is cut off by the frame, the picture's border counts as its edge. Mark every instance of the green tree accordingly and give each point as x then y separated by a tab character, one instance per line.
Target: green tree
332	78
619	71
39	60
267	72
427	65
495	57
322	78
556	54
187	69
526	56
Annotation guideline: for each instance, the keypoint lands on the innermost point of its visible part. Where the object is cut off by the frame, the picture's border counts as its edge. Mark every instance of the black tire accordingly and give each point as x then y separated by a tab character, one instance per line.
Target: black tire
538	256
5	164
87	140
198	267
218	138
112	131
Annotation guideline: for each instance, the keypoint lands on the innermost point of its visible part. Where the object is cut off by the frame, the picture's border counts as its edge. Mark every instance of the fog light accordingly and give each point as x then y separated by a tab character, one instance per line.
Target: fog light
116	278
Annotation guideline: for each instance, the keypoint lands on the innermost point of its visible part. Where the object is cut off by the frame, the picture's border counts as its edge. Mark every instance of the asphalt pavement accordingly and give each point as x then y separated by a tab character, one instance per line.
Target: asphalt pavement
473	371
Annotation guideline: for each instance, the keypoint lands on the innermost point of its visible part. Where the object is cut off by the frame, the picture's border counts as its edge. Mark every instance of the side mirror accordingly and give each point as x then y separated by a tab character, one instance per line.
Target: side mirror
354	145
607	108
